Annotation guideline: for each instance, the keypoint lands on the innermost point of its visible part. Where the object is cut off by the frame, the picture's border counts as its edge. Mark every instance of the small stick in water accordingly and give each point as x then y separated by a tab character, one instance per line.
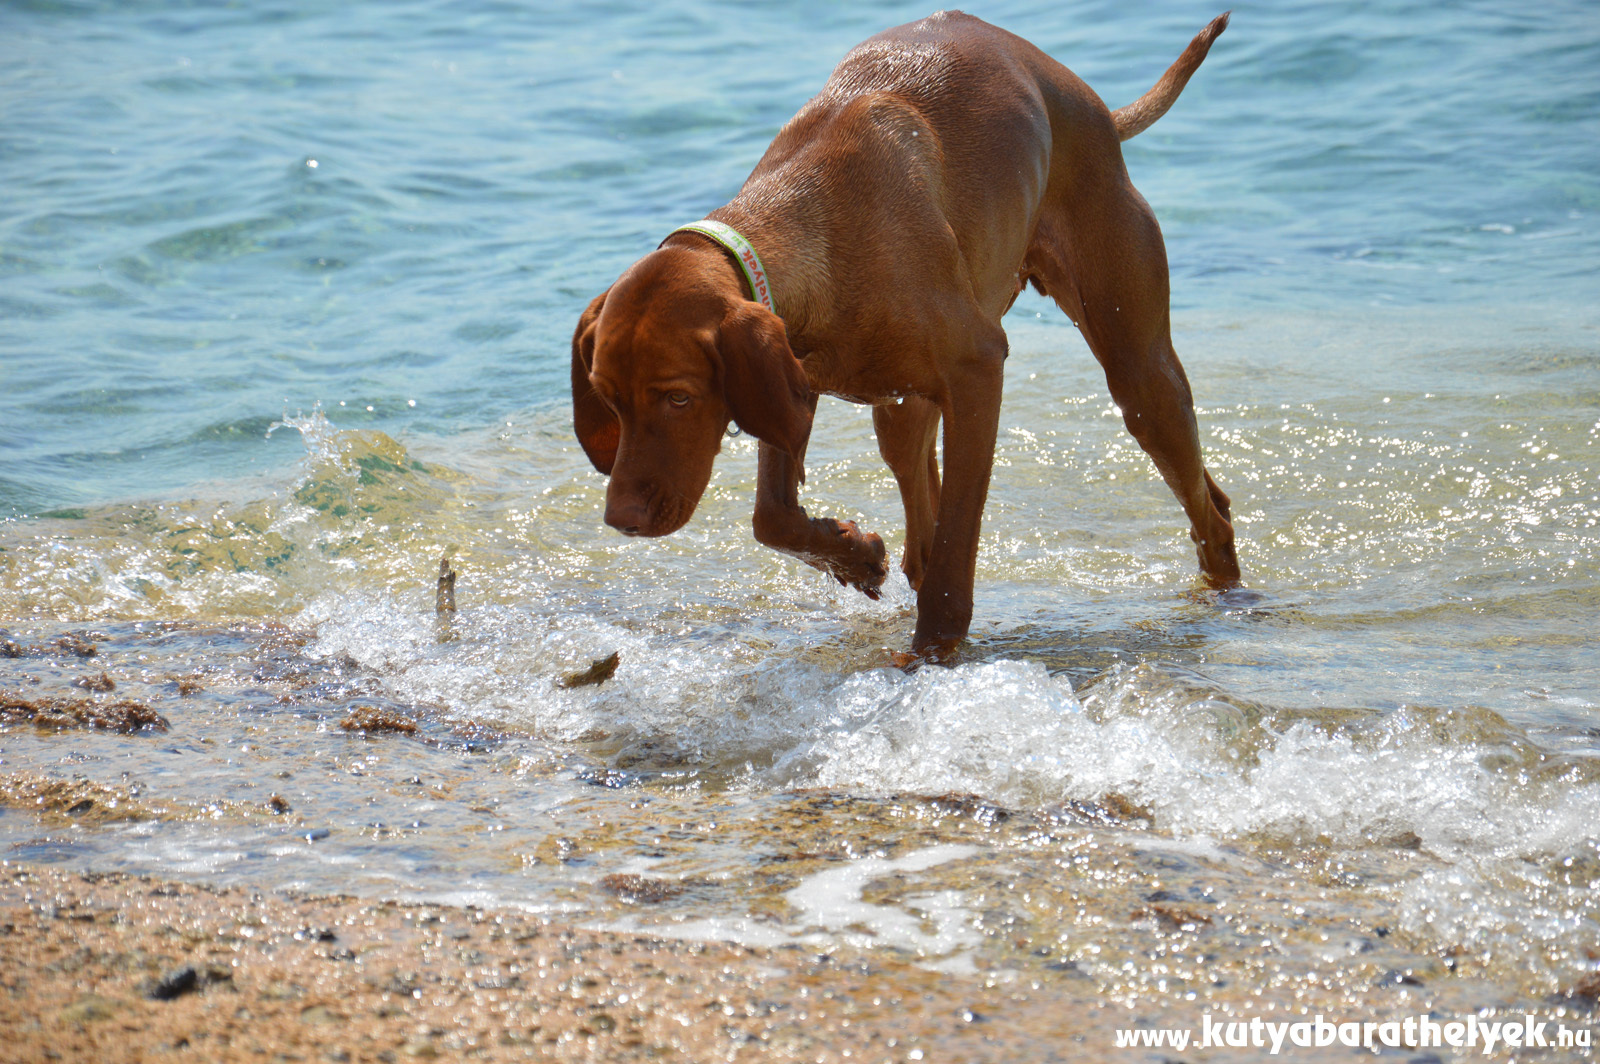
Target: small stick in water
444	598
597	673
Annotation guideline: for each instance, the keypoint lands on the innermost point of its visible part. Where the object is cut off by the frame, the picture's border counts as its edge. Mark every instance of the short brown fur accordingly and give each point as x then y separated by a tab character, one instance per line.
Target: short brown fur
944	165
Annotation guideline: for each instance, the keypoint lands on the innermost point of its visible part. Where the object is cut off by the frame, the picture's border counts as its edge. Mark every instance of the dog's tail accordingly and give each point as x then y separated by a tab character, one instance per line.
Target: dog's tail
1142	113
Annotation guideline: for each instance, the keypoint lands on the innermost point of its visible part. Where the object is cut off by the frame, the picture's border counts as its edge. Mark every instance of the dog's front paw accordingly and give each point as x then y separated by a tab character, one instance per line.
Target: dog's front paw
859	560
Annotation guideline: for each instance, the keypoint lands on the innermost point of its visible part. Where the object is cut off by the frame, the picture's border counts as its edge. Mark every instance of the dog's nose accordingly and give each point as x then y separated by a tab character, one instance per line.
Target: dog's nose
626	516
628	526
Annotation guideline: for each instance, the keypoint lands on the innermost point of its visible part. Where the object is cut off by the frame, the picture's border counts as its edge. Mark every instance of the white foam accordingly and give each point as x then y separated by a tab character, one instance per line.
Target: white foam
1015	735
831	900
830	910
741	931
1453	784
1006	731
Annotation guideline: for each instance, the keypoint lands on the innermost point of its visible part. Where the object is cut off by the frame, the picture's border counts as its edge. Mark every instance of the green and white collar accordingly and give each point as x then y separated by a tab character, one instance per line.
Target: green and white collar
748	260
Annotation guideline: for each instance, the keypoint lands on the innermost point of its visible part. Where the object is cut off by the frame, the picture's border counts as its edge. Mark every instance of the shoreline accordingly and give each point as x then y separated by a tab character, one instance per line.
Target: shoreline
129	968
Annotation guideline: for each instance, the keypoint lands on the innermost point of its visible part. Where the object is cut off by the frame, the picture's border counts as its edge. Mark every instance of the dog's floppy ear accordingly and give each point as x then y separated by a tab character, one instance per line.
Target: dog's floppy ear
598	429
763	384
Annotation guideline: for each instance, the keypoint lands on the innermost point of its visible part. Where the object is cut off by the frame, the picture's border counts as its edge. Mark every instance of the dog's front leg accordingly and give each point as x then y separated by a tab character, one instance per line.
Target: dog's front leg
907	432
838	548
971	423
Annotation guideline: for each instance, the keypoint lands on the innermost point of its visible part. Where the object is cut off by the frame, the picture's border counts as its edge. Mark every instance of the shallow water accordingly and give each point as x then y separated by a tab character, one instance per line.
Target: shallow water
1379	764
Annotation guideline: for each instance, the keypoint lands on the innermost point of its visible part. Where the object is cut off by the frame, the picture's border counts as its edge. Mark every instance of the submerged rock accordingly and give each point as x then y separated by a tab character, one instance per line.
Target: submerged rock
373	720
122	716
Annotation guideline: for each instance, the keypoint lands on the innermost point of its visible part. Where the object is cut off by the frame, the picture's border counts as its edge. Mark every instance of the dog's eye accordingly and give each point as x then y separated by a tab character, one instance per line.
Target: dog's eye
678	398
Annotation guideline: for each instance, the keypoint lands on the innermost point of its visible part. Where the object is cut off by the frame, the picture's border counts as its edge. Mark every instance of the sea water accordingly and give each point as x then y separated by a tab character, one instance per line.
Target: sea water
286	291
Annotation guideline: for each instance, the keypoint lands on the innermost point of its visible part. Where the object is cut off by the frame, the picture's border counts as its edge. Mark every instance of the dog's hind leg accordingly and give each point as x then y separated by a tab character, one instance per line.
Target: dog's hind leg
1108	271
907	434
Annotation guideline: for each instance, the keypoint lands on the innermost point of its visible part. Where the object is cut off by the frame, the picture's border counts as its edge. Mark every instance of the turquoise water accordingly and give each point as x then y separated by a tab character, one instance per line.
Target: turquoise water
374	226
212	213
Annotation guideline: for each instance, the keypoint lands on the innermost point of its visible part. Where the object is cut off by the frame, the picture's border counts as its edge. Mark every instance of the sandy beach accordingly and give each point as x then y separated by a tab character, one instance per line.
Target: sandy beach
121	968
118	968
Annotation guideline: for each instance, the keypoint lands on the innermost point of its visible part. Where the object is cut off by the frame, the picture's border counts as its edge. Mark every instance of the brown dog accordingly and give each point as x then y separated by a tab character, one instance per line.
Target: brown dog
895	219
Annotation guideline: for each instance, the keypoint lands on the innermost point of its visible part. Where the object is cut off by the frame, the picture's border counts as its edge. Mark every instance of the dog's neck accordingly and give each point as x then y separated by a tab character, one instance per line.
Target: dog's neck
794	252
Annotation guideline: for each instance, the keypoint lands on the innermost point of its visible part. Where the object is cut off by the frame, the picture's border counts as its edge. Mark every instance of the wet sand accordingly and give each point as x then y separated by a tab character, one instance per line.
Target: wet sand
123	968
112	967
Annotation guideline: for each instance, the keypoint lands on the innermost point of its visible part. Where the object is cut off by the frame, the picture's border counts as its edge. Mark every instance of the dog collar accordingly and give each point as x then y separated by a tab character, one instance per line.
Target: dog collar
748	260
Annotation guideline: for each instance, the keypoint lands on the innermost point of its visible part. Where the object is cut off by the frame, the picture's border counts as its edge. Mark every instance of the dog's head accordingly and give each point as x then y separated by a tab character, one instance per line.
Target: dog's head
662	361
